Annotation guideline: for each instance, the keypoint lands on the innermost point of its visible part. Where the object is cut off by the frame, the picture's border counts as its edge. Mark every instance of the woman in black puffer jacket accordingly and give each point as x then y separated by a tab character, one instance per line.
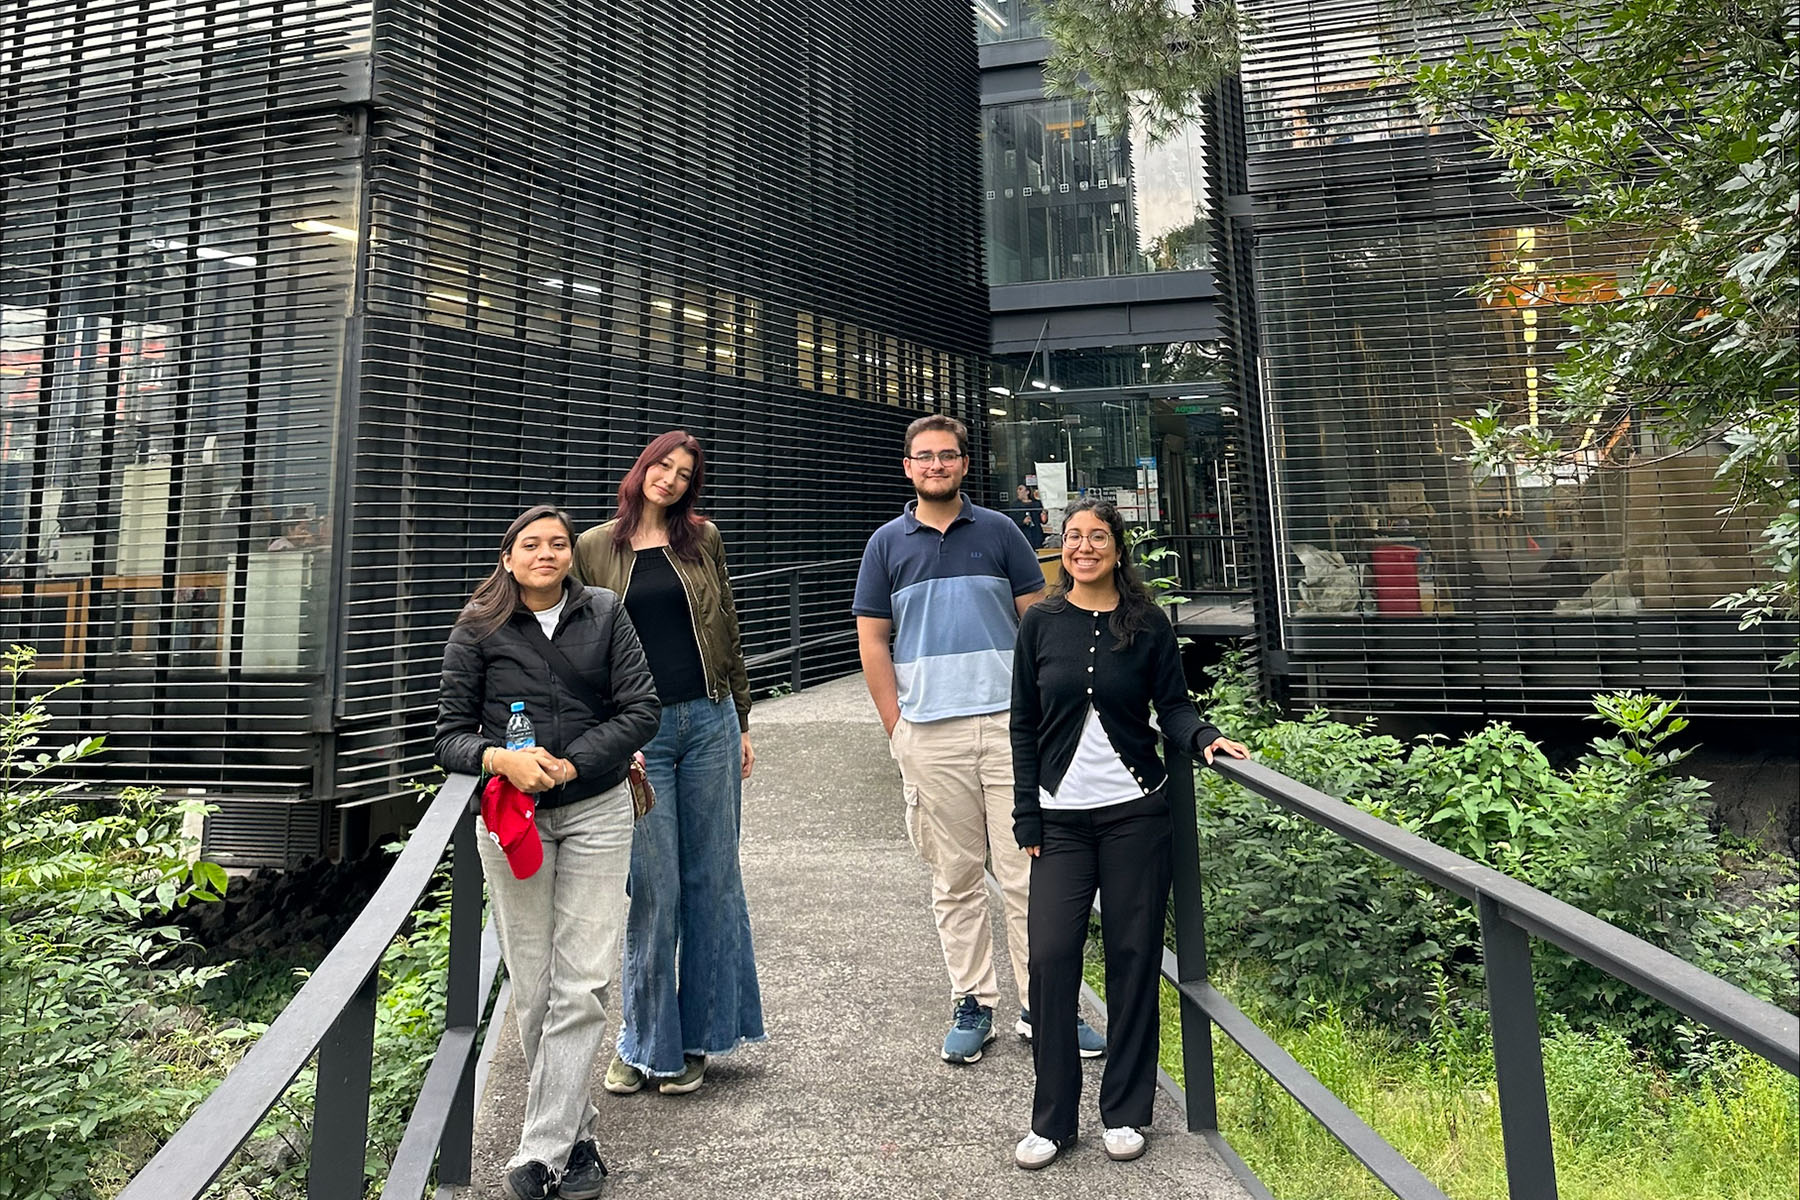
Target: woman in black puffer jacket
569	909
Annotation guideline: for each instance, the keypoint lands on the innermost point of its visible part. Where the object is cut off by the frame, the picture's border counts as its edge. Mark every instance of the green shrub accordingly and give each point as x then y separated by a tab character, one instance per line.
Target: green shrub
98	1049
1492	796
1621	834
1322	919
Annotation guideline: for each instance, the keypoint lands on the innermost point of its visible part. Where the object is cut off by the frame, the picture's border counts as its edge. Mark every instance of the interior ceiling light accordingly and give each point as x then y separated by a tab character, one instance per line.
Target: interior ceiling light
341	232
996	389
207	252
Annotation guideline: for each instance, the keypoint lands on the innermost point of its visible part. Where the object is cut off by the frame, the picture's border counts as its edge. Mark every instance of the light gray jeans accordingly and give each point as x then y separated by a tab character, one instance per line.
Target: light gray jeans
559	933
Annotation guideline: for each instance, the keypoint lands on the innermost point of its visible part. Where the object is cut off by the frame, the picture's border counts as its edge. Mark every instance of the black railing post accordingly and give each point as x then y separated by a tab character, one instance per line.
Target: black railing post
463	1004
340	1140
794	629
1190	944
1518	1056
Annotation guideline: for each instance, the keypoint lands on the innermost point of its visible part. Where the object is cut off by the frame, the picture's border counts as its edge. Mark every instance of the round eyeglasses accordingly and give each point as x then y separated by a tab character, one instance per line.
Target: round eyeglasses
945	458
1100	539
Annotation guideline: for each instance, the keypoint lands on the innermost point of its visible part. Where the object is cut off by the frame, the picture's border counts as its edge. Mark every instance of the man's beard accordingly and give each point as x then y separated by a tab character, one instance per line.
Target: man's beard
937	489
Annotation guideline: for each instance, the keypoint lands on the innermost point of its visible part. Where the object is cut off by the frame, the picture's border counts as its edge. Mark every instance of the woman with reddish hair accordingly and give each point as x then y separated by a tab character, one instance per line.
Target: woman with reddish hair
690	972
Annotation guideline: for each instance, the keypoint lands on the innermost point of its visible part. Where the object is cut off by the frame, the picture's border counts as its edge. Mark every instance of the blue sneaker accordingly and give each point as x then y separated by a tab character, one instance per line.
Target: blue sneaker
970	1030
1089	1041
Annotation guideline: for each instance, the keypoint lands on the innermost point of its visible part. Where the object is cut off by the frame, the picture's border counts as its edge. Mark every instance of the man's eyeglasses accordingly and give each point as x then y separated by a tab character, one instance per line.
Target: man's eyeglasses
1099	539
945	458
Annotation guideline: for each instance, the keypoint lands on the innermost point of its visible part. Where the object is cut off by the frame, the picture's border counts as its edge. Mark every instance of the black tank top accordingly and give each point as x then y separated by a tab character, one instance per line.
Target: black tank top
658	606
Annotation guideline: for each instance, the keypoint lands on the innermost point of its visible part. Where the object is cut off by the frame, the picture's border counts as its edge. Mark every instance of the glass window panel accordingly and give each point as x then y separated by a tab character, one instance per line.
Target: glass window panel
1007	21
1070	196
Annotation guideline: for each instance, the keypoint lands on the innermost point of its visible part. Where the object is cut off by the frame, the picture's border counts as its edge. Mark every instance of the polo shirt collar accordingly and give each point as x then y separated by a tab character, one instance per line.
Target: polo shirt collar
913	524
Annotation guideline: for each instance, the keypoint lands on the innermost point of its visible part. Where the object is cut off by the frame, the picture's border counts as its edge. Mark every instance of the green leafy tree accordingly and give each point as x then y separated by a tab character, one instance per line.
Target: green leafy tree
1147	62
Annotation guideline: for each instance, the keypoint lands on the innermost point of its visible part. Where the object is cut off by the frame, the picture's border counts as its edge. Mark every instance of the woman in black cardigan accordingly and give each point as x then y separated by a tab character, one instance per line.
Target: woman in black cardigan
1090	807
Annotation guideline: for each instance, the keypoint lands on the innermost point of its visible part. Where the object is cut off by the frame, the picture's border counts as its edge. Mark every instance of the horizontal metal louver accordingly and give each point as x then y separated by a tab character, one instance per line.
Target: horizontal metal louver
173	350
1407	580
246	832
304	303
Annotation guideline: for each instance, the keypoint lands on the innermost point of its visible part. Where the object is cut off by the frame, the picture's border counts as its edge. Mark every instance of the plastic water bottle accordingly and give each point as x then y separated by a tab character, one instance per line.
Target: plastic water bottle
519	734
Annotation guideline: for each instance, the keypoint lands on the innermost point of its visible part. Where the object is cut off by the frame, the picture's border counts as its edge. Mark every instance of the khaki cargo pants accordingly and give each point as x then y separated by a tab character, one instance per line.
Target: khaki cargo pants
959	797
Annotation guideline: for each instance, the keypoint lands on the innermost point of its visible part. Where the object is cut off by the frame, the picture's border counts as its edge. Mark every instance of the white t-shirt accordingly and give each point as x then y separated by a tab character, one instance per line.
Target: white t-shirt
1096	777
550	616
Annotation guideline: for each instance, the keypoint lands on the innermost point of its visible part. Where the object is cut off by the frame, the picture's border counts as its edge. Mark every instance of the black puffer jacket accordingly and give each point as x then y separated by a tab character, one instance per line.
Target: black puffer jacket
482	677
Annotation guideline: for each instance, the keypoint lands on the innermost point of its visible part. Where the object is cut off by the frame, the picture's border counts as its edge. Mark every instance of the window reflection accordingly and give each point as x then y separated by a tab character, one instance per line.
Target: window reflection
1071	196
1007	21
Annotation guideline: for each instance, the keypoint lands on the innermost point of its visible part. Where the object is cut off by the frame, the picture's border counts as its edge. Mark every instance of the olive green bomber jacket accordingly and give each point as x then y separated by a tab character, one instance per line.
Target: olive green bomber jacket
599	563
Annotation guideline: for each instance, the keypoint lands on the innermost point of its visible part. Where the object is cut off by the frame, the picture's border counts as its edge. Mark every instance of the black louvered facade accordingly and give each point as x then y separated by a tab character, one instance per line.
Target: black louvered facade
304	302
1406	581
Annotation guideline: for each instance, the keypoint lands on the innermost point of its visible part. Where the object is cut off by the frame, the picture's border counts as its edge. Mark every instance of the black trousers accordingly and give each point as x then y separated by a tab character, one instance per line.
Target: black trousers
1122	850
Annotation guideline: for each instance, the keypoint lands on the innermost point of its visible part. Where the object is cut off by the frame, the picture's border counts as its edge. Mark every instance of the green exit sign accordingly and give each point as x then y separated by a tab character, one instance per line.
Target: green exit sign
1188	410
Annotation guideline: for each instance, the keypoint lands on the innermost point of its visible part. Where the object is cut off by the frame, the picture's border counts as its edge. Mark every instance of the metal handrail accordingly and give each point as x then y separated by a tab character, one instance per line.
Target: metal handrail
1510	913
795	648
776	572
334	1016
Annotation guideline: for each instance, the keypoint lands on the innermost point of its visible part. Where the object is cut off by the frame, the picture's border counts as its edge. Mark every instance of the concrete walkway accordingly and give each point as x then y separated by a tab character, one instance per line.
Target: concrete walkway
848	1098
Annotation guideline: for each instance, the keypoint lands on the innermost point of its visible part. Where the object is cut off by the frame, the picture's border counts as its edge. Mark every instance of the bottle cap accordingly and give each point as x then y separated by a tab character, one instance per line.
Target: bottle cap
518	706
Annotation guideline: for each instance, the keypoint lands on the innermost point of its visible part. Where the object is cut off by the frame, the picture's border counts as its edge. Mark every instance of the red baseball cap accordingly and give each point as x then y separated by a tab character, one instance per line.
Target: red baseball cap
511	819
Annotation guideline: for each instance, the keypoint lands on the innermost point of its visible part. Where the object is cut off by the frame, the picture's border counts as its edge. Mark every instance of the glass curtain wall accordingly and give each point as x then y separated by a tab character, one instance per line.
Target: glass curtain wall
173	322
1007	21
1071	196
1402	288
1148	427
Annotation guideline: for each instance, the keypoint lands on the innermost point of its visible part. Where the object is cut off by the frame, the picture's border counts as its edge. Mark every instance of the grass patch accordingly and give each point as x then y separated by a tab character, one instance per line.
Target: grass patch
1623	1128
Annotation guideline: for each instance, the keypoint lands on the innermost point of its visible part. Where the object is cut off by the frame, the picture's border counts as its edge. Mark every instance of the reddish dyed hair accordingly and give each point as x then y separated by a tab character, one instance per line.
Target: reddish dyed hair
684	517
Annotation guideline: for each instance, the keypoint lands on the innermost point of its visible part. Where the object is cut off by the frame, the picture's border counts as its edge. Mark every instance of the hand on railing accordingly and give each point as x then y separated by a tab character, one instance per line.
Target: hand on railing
1224	745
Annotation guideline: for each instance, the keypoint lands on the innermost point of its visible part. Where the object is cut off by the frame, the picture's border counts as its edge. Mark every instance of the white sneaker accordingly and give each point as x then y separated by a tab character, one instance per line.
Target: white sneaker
1122	1144
1034	1152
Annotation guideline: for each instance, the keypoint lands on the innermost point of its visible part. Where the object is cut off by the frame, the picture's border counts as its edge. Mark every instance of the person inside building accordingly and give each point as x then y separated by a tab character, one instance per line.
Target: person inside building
545	693
691	991
937	604
1029	515
1091	809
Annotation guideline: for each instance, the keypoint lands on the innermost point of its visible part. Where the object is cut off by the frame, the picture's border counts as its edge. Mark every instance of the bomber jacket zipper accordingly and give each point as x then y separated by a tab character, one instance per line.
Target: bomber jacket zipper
687	593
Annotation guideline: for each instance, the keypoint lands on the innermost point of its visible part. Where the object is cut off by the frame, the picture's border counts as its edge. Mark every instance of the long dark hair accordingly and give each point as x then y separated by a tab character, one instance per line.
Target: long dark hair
1137	604
498	596
684	519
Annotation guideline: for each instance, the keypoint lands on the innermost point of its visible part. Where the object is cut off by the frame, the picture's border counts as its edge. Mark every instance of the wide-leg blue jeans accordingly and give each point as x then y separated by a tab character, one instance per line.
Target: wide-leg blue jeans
690	972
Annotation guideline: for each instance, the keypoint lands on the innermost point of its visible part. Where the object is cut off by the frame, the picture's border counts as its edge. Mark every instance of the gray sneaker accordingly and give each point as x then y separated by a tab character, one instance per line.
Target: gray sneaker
971	1028
1089	1042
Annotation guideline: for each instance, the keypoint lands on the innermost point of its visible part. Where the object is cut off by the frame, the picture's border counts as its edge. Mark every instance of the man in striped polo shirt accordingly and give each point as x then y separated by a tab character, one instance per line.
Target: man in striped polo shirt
945	583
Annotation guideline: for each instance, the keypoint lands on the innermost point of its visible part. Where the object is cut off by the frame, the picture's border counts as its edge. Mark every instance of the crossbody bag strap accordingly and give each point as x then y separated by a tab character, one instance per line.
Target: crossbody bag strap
559	663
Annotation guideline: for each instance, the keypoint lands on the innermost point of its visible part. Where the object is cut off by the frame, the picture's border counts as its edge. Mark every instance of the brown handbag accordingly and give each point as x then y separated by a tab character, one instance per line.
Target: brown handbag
643	796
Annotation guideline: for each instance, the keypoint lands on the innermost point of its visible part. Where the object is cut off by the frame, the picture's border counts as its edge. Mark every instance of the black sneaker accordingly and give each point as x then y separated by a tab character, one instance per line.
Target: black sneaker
530	1181
582	1178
